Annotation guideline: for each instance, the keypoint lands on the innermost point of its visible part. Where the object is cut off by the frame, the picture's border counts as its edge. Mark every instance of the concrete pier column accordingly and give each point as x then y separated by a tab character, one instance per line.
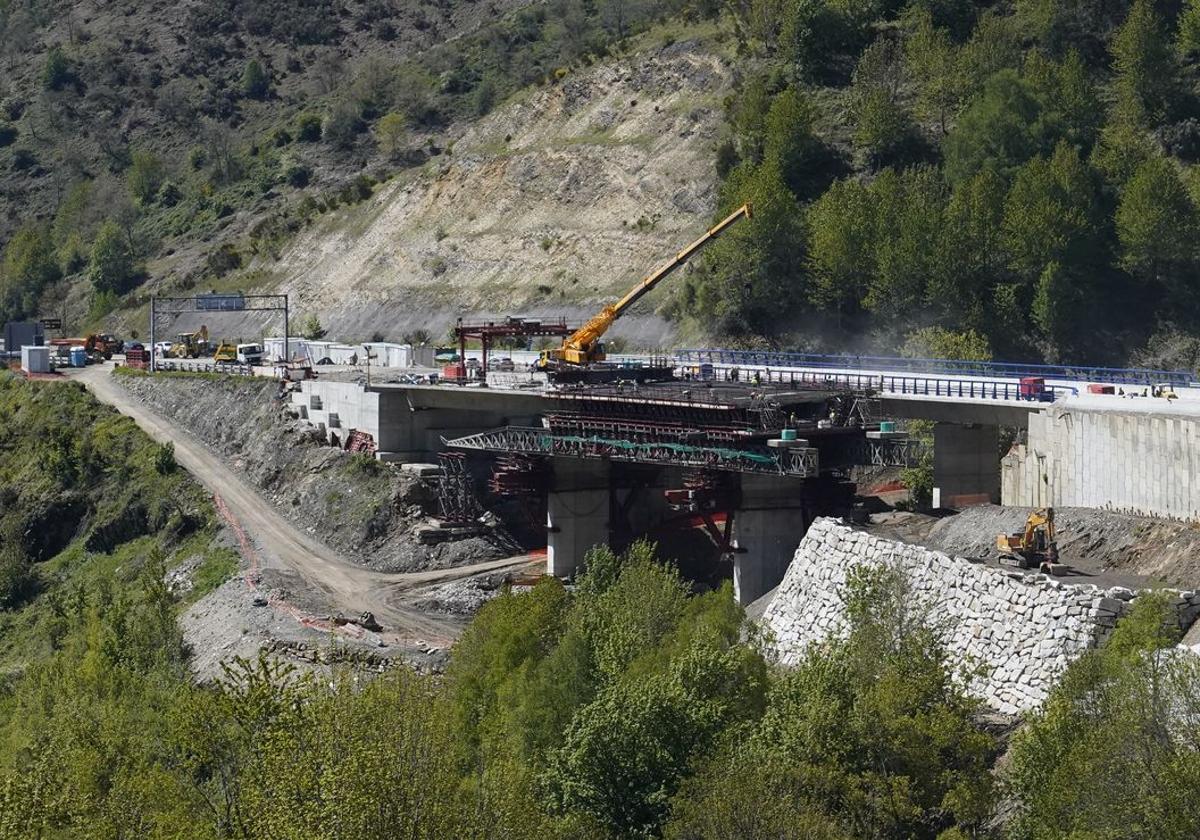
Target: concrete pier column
767	528
966	465
576	513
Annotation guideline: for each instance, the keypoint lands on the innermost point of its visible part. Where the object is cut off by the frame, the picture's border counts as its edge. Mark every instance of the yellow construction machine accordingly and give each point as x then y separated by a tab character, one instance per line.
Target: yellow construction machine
584	347
1033	547
226	353
191	345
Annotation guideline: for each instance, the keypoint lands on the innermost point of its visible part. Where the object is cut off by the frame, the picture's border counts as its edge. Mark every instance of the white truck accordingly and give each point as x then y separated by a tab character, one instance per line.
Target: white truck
250	354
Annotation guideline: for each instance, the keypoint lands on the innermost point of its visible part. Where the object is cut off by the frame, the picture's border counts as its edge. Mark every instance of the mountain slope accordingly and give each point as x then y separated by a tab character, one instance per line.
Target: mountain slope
551	205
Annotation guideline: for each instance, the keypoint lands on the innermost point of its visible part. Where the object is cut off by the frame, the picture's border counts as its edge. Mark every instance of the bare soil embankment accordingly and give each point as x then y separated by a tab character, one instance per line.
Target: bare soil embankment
365	510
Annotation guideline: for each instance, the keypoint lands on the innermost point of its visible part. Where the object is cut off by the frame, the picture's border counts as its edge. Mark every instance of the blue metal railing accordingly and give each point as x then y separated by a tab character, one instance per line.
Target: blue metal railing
938	367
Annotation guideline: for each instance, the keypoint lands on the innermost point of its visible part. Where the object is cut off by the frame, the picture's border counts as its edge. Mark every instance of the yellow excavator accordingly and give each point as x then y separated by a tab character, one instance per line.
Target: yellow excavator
583	347
1033	547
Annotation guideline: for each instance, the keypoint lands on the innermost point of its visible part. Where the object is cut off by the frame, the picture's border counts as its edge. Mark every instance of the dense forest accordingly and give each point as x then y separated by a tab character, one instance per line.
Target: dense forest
1020	176
626	706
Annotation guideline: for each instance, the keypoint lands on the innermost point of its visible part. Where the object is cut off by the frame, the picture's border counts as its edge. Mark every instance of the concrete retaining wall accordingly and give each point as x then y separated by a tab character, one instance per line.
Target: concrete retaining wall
1126	459
1020	629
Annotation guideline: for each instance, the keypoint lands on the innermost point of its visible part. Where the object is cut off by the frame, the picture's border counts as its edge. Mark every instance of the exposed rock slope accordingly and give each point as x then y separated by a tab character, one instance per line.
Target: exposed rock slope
552	204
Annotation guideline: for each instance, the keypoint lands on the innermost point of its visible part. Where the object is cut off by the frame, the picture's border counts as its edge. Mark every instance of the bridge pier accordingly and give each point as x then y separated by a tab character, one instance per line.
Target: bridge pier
767	527
966	464
577	508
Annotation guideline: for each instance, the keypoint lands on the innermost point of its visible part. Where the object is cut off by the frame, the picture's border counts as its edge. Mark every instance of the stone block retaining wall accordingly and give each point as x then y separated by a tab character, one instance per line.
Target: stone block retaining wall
1020	629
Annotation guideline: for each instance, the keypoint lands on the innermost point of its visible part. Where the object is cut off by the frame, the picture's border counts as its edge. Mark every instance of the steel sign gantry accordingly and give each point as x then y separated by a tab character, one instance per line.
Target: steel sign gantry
170	307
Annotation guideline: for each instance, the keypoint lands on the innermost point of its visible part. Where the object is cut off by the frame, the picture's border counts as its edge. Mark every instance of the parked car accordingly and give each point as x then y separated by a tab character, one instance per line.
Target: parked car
162	348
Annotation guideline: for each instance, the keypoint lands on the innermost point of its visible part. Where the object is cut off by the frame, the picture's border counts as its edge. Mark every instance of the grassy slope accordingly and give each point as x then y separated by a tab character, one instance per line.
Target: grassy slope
123	509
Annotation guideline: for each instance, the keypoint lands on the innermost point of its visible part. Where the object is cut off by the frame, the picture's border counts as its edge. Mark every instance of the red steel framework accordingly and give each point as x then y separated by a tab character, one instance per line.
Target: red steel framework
512	327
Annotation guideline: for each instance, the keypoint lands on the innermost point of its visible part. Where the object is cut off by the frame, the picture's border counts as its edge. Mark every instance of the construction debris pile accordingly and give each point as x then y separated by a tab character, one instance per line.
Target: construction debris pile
1020	630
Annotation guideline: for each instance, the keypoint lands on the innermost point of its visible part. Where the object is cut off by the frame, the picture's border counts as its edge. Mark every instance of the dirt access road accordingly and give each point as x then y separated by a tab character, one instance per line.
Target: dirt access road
351	588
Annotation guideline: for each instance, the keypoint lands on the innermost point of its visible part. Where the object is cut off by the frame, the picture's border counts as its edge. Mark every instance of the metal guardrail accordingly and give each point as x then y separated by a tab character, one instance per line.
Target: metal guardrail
940	367
924	386
192	366
799	463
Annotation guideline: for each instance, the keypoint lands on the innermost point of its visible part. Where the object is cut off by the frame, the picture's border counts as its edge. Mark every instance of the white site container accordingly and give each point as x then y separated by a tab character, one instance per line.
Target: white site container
35	359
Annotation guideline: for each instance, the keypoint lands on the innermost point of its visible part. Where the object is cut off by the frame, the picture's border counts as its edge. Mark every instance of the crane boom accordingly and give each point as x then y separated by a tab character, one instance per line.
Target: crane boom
582	346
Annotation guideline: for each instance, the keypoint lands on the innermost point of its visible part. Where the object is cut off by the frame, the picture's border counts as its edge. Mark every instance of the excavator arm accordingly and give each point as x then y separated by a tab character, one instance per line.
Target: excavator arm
582	346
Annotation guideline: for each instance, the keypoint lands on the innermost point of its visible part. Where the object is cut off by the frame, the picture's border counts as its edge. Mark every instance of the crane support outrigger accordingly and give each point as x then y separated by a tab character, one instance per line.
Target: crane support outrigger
584	346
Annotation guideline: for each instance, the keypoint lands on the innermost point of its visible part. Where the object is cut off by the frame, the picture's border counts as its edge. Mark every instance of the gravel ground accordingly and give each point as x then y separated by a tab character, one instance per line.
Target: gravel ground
1095	542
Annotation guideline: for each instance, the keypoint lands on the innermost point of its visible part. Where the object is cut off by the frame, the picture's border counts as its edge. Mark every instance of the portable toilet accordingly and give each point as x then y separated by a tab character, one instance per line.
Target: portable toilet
78	357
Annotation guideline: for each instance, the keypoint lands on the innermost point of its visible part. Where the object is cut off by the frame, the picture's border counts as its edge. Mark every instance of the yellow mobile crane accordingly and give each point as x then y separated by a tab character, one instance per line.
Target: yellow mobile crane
584	347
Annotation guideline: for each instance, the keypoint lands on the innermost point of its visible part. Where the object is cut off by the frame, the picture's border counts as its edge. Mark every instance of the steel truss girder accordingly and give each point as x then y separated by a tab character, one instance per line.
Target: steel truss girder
798	462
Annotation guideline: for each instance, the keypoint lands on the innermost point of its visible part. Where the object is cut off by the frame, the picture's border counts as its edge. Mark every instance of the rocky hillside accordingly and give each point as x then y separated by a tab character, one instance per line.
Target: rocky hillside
552	205
368	511
348	153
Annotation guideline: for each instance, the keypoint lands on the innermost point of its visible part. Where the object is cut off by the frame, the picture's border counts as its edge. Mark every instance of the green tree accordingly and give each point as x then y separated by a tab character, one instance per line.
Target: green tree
1188	39
1000	130
29	267
1111	754
310	327
941	343
971	255
789	144
112	267
1052	213
1056	301
256	84
1067	95
342	124
308	128
390	134
840	228
146	175
909	210
882	126
931	60
752	278
57	72
1157	225
1146	73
